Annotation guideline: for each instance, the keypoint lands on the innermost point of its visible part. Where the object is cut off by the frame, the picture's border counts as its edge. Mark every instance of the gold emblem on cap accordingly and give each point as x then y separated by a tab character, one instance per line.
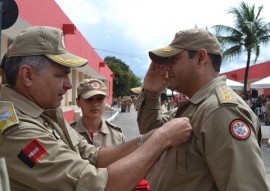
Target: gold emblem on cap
166	49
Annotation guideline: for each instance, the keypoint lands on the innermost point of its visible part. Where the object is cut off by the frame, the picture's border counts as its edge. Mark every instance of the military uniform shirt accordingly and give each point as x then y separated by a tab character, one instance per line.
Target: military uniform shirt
216	157
42	152
108	135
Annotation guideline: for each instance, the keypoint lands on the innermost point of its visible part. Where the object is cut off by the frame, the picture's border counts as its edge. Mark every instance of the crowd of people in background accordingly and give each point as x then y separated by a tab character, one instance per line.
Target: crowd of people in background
124	103
260	105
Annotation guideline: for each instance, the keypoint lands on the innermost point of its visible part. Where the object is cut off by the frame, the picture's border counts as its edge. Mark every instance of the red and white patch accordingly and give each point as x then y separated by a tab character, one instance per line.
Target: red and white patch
95	85
239	129
32	153
34	150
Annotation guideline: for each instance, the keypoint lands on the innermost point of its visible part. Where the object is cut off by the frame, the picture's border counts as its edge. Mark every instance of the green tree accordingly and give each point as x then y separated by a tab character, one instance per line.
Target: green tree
124	78
250	31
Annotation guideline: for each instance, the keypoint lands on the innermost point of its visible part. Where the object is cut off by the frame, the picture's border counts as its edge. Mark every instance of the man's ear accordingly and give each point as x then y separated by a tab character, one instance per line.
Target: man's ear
26	74
202	56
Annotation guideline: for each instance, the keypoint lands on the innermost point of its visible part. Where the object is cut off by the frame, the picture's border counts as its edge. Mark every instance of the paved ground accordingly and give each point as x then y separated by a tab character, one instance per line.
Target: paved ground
128	123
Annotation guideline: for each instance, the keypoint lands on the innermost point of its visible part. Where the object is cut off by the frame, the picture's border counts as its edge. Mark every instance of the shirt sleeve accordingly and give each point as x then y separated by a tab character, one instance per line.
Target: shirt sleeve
234	160
149	112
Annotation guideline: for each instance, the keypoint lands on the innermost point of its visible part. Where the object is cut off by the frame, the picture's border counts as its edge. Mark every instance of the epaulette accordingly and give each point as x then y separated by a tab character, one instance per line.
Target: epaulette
8	116
113	126
226	95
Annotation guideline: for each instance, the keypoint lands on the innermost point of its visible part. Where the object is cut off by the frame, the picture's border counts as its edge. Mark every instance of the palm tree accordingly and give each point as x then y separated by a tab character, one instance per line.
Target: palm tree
250	31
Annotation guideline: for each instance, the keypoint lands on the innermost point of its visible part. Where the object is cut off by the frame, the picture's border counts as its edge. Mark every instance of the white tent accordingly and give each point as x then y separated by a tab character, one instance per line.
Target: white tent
261	84
234	84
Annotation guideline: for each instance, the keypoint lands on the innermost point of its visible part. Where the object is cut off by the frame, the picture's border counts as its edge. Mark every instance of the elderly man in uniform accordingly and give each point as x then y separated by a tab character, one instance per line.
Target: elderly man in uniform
91	95
42	151
223	152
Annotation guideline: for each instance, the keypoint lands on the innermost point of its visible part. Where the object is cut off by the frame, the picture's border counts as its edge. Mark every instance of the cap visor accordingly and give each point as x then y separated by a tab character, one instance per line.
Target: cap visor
68	59
136	90
162	54
90	94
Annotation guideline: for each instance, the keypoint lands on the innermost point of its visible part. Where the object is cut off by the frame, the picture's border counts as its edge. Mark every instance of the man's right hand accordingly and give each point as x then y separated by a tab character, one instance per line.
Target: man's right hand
155	79
175	131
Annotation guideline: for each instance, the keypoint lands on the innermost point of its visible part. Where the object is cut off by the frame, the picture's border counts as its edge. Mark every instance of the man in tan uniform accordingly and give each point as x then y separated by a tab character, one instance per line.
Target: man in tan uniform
91	95
129	103
42	151
223	152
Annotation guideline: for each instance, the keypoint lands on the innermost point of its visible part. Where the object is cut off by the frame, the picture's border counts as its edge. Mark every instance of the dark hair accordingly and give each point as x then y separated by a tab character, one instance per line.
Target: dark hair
215	59
38	62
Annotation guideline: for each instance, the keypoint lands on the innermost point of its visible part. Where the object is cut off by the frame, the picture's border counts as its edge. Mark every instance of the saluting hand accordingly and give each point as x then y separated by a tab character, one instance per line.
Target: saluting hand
155	79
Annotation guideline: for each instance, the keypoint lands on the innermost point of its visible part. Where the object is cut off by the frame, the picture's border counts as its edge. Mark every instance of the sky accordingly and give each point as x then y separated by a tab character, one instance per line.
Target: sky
128	29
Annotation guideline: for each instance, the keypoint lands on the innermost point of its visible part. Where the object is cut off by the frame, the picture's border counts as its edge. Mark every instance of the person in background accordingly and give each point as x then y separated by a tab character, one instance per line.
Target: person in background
129	103
135	102
119	102
91	98
267	112
43	153
123	104
223	152
171	102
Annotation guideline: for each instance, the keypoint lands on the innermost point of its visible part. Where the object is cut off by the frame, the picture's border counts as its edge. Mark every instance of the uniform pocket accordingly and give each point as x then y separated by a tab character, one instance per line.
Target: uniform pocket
177	160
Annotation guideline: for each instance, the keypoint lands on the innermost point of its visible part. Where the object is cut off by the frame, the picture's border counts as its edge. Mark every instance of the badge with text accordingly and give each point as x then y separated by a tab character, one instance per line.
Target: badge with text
32	153
239	129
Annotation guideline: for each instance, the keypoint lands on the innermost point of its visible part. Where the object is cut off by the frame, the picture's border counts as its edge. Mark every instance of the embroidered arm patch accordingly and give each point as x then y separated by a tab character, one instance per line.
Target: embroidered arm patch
239	129
32	153
8	117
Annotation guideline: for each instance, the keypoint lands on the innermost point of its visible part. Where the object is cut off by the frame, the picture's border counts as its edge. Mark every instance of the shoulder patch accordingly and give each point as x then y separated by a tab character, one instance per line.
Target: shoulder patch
225	95
239	129
32	153
113	126
8	117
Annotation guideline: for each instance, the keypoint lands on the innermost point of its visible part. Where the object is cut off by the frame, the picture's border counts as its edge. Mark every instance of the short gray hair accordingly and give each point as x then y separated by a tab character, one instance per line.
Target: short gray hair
38	62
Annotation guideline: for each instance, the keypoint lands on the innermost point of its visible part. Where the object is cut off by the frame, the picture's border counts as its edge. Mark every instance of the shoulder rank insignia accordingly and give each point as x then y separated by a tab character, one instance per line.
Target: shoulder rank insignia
8	116
239	129
226	95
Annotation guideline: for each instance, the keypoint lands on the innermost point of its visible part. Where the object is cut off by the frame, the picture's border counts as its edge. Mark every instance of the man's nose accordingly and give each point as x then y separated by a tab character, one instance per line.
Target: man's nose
67	84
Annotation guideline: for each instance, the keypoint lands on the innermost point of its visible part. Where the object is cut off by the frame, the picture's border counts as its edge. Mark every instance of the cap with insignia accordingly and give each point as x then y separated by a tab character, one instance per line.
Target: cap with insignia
191	39
91	87
47	41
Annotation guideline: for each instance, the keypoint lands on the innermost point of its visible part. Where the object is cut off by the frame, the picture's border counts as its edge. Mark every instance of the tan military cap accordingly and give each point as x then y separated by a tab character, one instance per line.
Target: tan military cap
91	87
44	40
191	39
